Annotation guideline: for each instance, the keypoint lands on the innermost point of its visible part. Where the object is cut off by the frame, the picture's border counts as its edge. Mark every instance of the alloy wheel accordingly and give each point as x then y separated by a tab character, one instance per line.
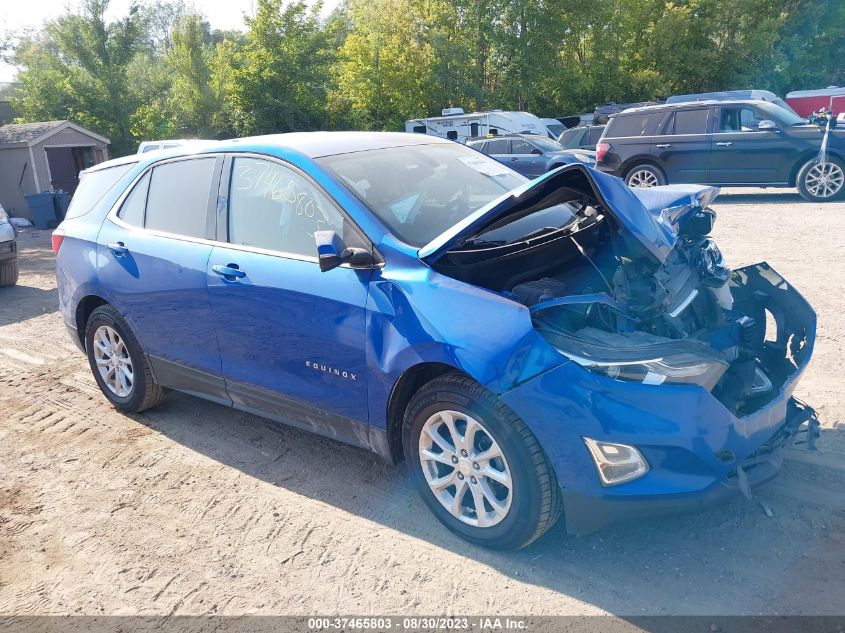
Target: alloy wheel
643	178
824	180
113	361
465	468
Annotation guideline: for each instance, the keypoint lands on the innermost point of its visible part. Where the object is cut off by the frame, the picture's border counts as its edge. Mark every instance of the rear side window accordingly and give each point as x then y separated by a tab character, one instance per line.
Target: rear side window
689	122
177	201
572	137
93	186
132	211
499	146
595	135
641	124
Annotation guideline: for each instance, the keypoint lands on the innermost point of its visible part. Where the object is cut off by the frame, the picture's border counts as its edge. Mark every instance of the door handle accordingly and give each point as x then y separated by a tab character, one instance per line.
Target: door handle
230	272
664	145
724	143
118	248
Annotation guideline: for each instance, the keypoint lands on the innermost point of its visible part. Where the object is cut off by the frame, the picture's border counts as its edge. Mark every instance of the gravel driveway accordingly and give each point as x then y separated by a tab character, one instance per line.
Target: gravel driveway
193	508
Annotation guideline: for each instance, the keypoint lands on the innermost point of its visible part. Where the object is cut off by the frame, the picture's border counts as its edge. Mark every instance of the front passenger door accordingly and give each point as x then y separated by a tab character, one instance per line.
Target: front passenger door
292	338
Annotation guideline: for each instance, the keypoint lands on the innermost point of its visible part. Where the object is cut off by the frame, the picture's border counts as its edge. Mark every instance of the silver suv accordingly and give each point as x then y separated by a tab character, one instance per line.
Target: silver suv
8	251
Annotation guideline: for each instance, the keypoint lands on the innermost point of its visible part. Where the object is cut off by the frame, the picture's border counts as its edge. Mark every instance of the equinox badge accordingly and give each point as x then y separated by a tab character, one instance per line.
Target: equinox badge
334	371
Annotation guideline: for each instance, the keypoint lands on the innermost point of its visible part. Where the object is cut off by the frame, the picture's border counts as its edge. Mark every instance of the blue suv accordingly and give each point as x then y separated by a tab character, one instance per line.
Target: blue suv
528	347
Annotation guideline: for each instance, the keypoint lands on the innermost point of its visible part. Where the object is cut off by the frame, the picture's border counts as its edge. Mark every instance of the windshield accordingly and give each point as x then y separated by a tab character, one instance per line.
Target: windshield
556	128
779	115
547	144
419	191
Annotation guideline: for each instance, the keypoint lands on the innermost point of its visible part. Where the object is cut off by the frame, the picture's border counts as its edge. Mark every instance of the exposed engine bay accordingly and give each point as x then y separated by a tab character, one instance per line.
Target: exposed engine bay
600	295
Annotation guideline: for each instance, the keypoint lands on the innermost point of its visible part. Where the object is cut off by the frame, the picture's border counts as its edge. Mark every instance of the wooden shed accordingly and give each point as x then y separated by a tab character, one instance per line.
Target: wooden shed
44	156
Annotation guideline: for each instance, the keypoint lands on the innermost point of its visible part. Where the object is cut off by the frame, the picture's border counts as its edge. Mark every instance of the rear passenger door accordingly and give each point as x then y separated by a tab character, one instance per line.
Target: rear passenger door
152	256
683	146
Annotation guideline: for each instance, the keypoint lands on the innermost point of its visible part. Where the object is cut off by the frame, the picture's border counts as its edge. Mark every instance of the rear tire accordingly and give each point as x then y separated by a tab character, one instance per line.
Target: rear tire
517	490
645	176
822	182
118	363
9	273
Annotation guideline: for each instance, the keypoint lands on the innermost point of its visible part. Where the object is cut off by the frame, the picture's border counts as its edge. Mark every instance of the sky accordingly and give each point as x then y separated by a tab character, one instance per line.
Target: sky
19	14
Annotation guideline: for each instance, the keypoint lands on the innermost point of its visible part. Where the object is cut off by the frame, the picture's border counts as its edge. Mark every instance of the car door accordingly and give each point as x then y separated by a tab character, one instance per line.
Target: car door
498	149
682	146
153	253
292	338
527	158
743	154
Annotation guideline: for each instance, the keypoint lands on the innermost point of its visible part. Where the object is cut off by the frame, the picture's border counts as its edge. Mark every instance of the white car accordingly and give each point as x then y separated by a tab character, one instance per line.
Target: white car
8	251
149	146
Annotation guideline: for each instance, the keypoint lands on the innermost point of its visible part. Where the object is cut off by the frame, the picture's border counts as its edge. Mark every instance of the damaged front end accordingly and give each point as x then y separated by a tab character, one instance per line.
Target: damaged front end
628	284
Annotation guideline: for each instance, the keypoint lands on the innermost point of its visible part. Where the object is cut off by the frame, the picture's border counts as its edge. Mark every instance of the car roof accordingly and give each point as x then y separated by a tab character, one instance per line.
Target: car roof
690	104
309	144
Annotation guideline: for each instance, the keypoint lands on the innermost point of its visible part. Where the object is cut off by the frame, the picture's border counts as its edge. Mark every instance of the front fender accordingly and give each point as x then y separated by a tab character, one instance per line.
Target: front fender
416	315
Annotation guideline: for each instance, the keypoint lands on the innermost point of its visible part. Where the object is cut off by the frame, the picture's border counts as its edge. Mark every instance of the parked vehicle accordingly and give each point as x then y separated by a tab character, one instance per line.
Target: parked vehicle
455	125
603	112
733	143
8	251
529	154
805	102
582	137
574	120
526	346
151	146
733	95
554	127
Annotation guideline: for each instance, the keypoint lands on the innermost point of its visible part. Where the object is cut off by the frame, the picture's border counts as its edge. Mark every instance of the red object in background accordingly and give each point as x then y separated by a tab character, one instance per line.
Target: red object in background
601	150
805	102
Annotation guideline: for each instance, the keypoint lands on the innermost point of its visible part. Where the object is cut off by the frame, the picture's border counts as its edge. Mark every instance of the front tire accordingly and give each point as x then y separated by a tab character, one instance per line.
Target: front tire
118	363
822	182
477	466
9	273
645	176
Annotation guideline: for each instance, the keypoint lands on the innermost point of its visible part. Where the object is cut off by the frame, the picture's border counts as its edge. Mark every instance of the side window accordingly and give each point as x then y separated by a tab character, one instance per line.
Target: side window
272	206
132	211
520	146
177	201
639	124
691	121
499	146
738	120
595	135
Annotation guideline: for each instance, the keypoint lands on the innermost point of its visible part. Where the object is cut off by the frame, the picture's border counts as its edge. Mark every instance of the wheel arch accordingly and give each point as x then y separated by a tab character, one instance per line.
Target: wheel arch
638	161
84	308
411	380
793	174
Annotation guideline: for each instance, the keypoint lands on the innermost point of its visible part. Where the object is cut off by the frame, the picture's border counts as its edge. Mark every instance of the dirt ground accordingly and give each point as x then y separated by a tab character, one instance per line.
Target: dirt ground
193	508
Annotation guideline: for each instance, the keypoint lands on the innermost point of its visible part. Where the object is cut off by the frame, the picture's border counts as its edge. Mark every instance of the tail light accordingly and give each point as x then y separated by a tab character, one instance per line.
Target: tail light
601	150
57	238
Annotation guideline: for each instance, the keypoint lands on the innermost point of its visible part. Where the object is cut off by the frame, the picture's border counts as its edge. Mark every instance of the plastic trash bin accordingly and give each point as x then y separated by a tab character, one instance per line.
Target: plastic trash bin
61	200
42	209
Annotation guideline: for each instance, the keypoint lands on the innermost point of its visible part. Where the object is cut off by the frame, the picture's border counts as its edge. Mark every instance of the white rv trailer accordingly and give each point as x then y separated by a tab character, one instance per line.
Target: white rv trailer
456	125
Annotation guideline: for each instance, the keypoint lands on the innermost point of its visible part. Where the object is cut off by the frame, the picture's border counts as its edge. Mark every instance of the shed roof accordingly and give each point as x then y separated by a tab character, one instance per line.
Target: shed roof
31	133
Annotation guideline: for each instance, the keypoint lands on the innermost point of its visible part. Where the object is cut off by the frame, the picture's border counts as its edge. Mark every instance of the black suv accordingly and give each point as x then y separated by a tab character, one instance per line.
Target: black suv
732	143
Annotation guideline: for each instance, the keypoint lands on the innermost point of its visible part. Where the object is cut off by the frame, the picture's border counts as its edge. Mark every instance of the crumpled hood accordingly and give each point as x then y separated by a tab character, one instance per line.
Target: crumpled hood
651	216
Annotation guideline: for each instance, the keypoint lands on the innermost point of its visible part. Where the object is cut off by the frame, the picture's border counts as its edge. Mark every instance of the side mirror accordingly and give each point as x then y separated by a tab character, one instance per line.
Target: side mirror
536	151
331	252
767	125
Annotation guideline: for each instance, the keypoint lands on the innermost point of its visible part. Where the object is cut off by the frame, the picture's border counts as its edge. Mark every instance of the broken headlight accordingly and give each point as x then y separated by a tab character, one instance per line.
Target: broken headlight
681	368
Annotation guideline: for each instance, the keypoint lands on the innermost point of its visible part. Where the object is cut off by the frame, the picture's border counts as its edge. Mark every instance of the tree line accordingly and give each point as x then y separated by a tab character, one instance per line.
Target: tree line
162	72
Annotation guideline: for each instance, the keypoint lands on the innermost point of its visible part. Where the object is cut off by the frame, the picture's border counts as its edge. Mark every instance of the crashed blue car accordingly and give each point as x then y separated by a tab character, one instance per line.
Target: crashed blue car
565	345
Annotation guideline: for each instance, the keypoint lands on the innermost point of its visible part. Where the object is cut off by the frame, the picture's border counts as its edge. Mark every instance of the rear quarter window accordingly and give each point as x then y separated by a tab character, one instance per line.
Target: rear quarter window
640	124
93	186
